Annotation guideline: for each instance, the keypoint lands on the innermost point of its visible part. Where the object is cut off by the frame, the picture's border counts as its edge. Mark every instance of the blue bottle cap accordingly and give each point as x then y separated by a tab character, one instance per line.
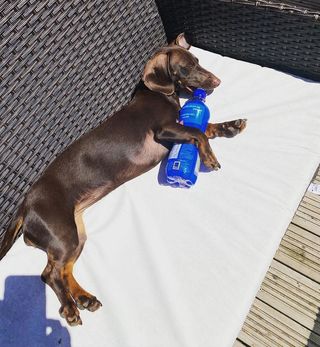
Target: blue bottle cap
200	93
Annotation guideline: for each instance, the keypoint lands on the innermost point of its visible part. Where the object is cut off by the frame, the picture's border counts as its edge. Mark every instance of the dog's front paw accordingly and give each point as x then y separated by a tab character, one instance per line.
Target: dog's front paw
71	314
212	166
89	303
233	128
240	124
211	163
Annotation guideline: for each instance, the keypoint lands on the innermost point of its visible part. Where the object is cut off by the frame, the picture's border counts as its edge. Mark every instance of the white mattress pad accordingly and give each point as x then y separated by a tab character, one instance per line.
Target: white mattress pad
174	267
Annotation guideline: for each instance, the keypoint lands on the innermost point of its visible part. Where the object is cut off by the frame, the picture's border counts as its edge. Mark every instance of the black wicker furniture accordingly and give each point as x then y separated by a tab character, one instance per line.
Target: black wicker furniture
68	65
65	66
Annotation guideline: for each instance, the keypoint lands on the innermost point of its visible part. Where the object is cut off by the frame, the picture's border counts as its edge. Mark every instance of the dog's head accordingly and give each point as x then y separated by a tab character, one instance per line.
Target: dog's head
174	68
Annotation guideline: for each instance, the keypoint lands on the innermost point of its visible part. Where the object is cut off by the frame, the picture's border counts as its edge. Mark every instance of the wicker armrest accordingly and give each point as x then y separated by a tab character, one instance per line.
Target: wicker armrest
283	34
65	66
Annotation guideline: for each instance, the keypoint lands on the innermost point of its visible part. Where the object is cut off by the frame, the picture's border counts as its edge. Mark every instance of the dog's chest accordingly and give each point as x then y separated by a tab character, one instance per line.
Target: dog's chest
151	151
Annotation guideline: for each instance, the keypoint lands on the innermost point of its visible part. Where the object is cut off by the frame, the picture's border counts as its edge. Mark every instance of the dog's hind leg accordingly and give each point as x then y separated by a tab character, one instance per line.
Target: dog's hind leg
53	276
55	232
83	299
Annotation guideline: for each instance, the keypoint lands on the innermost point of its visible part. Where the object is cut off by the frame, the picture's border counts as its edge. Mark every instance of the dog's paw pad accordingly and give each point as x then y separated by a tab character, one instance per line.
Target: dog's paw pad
234	128
71	315
238	125
241	123
74	321
212	165
89	303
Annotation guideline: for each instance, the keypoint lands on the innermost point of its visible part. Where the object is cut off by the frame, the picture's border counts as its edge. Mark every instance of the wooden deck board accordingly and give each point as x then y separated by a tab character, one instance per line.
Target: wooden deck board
286	310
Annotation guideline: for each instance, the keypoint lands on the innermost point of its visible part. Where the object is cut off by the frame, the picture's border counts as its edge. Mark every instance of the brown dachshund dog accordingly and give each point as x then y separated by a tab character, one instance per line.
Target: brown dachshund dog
129	143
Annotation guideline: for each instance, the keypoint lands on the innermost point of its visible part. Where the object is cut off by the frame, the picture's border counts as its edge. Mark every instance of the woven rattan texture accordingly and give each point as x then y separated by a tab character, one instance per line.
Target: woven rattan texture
65	66
306	4
302	5
269	37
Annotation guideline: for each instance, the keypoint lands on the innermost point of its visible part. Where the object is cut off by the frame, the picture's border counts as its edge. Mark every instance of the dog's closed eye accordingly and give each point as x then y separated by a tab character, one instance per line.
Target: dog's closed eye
184	71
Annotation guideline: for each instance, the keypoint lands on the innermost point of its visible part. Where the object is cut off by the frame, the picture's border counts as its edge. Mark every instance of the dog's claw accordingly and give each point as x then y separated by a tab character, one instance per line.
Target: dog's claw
89	303
234	128
94	306
216	167
71	315
241	123
212	165
74	321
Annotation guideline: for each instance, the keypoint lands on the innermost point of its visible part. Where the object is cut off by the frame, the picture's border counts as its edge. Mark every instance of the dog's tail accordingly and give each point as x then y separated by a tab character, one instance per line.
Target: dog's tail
12	233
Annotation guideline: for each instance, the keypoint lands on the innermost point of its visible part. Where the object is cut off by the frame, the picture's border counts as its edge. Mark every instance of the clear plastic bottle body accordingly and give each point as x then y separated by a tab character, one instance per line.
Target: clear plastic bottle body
183	161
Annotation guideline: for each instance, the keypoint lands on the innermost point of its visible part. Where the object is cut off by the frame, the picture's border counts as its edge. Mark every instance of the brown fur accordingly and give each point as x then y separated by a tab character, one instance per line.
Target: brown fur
129	143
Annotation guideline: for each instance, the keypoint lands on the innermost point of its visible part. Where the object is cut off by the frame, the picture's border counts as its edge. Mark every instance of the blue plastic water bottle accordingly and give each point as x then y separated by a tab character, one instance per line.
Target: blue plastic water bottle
184	162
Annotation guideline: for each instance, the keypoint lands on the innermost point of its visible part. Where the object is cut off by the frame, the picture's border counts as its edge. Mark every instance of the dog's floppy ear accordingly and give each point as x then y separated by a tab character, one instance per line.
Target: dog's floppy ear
156	74
182	41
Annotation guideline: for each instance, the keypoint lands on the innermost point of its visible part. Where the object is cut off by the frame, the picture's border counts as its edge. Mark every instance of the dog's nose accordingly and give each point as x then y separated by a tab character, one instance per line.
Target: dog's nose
216	82
213	81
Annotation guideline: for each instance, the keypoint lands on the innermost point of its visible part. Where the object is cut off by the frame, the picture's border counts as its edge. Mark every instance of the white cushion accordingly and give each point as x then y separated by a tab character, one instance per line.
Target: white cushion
179	267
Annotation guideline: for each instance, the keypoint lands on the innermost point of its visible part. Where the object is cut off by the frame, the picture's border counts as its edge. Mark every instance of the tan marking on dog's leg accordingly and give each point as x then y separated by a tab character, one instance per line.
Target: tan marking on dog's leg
83	299
18	226
73	286
206	154
52	275
80	227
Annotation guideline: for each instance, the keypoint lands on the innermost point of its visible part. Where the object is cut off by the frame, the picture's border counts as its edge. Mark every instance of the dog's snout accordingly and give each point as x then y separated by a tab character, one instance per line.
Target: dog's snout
215	81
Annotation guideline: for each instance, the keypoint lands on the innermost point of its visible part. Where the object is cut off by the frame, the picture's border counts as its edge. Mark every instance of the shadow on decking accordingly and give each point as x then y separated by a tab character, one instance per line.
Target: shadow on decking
314	339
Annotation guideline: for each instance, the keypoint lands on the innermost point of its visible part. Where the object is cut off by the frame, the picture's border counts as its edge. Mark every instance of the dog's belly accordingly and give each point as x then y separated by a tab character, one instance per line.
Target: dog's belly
151	152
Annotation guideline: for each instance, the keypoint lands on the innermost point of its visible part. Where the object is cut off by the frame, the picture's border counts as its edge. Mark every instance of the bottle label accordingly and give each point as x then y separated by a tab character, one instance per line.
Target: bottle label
194	115
176	165
175	151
